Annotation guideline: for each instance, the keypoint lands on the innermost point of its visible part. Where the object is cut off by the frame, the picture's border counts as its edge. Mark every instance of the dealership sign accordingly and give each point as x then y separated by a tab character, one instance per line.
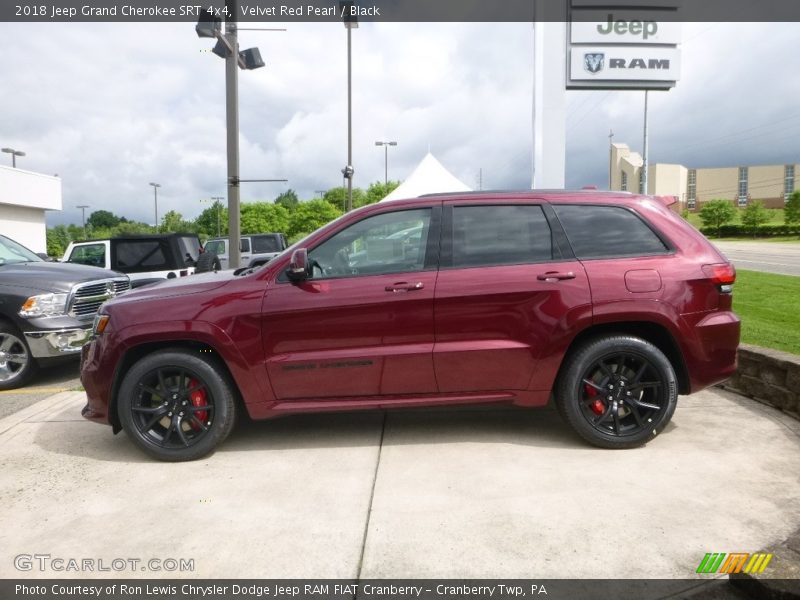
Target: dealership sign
612	48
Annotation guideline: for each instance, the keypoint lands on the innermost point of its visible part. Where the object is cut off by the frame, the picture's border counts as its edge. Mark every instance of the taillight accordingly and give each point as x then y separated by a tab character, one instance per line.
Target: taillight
721	274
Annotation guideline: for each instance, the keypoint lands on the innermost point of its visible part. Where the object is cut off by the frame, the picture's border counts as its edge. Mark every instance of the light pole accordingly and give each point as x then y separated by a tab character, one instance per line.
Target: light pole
227	47
83	208
155	198
350	22
14	154
386	160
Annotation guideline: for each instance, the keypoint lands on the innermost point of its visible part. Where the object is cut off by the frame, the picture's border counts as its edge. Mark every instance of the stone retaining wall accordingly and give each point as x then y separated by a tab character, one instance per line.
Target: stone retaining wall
769	376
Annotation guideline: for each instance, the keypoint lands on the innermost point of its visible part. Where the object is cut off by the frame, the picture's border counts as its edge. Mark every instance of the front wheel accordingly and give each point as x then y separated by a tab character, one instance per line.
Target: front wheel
176	405
17	365
617	392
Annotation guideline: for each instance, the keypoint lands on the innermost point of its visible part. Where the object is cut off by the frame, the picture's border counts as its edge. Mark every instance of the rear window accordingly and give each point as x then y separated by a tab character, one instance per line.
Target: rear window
145	255
266	243
500	235
607	232
190	247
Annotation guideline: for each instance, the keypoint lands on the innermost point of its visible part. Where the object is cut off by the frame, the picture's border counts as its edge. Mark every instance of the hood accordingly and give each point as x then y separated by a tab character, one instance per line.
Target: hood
51	276
182	286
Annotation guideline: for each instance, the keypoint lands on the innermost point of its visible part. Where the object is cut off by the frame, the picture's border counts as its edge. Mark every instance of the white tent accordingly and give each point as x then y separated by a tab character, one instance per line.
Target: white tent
429	177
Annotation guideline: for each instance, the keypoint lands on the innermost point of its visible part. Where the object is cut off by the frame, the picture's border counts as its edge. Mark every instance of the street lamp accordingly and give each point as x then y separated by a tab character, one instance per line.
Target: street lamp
227	47
386	159
350	22
155	197
14	154
83	208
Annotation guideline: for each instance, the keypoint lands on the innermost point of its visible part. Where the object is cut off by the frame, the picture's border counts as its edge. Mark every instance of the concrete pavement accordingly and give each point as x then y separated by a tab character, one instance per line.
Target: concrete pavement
771	257
491	492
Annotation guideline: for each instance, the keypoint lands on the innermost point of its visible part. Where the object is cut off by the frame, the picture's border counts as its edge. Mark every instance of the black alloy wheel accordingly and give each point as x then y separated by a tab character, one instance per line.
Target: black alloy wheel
618	392
176	405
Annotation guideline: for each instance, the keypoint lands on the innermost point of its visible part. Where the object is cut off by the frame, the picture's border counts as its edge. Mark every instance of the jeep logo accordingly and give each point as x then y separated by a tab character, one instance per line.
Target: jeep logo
635	28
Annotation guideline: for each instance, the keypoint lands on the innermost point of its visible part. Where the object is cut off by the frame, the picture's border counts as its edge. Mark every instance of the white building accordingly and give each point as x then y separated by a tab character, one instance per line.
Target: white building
24	198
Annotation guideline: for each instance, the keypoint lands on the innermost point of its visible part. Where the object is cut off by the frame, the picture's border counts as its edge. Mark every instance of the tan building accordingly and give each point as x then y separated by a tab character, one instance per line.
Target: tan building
772	184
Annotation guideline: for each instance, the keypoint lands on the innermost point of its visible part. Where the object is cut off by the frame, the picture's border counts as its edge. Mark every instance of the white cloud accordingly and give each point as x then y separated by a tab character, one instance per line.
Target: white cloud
111	107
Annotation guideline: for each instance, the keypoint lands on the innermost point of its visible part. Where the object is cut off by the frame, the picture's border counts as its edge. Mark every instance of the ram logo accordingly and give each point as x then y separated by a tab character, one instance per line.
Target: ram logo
593	62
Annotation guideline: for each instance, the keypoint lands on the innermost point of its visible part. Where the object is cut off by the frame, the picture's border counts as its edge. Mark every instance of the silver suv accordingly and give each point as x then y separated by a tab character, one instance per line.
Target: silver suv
257	248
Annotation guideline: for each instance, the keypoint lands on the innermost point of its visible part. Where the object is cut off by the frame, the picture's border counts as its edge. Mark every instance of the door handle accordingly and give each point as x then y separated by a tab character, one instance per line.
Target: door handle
402	286
555	275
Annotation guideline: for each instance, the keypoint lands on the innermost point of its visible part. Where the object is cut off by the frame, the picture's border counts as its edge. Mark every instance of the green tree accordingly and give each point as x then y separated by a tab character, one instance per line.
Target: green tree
716	213
130	228
338	197
264	217
791	212
755	215
207	221
288	200
378	191
103	219
172	222
58	239
311	215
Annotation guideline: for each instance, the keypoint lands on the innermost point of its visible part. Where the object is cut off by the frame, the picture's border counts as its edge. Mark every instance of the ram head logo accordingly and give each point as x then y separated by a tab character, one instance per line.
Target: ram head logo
593	61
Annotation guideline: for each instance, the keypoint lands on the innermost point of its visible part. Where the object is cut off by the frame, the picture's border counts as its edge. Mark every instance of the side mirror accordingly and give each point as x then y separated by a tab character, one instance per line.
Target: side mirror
299	268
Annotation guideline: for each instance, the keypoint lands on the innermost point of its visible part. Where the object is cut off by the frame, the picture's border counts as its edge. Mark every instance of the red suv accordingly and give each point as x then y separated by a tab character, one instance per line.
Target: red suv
608	302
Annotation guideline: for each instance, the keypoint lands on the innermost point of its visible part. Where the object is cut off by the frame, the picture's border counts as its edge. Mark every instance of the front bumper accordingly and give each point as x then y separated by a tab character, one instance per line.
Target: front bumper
59	342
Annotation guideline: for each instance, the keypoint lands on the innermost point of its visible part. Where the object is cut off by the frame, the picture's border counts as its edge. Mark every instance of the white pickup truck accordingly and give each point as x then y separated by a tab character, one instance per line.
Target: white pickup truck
144	259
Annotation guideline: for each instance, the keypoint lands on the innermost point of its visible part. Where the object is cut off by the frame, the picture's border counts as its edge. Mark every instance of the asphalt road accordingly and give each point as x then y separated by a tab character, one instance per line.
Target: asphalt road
771	257
61	378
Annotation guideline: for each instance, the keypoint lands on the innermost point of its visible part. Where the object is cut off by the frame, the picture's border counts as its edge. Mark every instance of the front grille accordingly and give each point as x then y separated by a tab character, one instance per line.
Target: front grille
86	298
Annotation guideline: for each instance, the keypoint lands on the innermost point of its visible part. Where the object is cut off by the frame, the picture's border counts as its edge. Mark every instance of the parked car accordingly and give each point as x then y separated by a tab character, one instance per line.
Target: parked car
46	310
256	249
145	259
609	302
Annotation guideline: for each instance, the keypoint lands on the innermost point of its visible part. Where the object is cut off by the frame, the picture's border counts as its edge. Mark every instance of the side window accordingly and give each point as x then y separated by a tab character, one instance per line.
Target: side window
387	243
245	245
266	243
500	235
215	246
93	255
607	232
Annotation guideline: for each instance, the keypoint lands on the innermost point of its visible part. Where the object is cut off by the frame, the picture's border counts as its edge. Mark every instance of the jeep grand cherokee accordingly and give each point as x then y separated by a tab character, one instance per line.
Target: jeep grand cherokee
609	302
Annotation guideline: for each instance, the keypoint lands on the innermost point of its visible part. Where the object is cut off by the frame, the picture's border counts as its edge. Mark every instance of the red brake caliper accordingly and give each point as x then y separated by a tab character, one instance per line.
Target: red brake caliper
198	398
598	407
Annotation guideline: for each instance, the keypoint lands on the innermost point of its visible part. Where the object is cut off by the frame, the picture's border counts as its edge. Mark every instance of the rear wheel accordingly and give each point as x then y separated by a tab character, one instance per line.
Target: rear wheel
17	365
617	392
176	405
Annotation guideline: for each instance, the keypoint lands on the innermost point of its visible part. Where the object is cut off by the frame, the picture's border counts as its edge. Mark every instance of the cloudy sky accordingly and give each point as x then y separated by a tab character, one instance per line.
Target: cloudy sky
112	107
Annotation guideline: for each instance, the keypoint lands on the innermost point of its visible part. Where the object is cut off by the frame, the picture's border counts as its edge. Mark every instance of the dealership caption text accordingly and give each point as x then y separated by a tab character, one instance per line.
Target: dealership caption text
279	591
52	11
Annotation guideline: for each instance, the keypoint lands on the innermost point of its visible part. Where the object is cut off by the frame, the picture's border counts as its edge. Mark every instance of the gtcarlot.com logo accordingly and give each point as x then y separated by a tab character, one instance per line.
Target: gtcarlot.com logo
49	563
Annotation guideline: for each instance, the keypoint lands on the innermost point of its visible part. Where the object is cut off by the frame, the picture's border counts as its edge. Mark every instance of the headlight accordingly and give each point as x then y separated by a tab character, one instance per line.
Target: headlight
44	305
100	324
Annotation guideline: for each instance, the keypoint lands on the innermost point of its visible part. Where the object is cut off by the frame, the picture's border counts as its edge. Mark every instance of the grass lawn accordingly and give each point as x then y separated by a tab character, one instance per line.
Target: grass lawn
769	306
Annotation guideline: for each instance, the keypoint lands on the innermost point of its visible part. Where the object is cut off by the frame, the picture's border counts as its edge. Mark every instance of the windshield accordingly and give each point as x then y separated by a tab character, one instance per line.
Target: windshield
12	252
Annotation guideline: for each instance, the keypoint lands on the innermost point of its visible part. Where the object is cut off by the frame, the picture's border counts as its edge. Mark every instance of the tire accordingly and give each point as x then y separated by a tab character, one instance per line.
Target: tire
207	262
197	412
17	365
617	392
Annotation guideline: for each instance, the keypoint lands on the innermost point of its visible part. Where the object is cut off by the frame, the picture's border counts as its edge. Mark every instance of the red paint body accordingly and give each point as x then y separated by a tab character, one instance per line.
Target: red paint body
463	335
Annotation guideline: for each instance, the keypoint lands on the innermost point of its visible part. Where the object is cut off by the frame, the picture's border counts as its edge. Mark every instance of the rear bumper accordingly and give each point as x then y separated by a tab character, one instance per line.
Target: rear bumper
711	359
